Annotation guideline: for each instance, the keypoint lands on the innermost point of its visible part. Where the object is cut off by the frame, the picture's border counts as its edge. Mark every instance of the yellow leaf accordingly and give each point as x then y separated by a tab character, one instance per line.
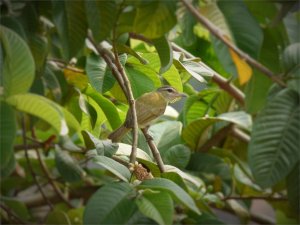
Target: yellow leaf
76	77
243	69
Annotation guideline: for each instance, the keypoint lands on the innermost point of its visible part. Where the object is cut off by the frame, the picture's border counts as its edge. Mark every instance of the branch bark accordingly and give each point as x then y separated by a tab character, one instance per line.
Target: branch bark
154	150
216	32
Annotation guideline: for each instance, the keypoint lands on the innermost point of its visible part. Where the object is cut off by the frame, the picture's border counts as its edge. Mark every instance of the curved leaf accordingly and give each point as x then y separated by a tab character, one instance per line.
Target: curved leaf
67	166
114	167
111	204
178	155
45	109
172	188
154	19
17	67
107	106
101	16
165	53
157	206
275	139
70	21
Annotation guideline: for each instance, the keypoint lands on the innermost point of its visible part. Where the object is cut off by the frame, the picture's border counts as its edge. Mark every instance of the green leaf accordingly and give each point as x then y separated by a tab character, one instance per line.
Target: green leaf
178	155
193	132
45	109
95	69
166	134
173	78
58	217
176	178
70	21
114	167
125	149
111	204
243	26
291	59
76	215
103	147
293	187
177	192
239	118
8	129
154	19
17	67
101	16
18	207
67	166
157	206
275	137
122	48
165	52
107	106
137	78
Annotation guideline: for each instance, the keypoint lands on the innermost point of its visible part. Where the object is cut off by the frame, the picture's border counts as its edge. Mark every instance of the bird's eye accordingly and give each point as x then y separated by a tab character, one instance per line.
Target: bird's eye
169	90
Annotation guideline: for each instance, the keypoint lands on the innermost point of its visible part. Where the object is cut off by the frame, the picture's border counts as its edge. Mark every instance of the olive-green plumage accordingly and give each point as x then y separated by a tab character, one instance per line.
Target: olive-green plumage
148	107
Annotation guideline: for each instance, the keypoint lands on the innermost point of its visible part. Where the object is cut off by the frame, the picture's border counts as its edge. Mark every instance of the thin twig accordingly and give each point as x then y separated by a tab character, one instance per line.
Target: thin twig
154	150
267	198
48	175
30	166
52	183
12	214
216	32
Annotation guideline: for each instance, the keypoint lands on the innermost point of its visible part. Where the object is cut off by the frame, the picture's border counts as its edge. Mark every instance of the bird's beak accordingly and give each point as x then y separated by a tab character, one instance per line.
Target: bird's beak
182	95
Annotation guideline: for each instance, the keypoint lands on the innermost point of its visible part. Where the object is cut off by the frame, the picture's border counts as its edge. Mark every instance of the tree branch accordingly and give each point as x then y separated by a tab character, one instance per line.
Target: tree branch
30	166
267	198
216	32
154	150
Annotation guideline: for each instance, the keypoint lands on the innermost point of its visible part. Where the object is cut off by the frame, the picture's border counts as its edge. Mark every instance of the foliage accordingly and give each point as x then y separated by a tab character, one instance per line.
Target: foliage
60	98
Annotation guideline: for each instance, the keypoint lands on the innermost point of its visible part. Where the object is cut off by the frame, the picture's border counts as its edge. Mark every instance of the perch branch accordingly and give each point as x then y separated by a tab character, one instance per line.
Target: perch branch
154	150
216	32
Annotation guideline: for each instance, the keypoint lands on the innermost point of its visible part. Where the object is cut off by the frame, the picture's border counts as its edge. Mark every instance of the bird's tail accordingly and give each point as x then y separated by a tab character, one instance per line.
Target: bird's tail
118	134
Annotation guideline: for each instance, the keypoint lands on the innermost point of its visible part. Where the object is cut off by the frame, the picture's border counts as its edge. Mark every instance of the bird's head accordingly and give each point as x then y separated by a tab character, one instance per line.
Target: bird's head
170	94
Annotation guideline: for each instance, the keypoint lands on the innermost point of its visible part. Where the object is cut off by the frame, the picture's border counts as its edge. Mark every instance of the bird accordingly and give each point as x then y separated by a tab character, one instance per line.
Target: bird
149	106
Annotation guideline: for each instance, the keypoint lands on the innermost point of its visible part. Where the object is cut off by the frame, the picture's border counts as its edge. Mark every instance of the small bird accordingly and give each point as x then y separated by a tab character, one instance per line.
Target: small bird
149	106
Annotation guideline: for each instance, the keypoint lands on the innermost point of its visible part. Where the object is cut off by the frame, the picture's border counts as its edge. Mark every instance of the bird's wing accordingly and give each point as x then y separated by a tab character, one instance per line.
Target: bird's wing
148	107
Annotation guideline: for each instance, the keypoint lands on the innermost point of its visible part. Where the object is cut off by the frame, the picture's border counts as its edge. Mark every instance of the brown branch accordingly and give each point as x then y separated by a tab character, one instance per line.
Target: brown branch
154	150
217	78
267	198
216	32
50	180
237	133
30	166
12	214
